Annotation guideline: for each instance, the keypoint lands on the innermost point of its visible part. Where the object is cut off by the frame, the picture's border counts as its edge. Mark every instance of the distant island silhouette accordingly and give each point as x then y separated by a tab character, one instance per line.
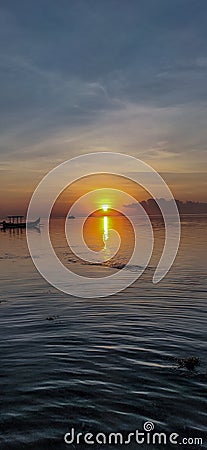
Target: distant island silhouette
187	207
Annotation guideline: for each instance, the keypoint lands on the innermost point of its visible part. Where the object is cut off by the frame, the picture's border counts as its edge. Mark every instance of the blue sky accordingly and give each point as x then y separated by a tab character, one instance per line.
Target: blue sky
81	76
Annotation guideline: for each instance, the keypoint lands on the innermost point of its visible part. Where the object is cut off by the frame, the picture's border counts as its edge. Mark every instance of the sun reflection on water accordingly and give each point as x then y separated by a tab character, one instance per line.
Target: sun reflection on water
106	230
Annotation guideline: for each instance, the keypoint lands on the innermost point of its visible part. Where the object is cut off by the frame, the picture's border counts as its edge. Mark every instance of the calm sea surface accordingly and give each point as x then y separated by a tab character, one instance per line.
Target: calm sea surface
102	365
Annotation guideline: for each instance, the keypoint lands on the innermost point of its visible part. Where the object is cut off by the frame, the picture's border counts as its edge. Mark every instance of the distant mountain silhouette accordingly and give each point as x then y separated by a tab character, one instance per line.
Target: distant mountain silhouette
188	207
191	207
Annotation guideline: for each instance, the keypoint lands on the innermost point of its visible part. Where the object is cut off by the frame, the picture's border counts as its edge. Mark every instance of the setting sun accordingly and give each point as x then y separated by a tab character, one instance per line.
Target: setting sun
105	207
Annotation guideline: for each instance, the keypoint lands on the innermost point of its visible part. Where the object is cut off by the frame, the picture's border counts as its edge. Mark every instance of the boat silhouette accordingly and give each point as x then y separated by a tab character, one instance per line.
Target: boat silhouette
17	222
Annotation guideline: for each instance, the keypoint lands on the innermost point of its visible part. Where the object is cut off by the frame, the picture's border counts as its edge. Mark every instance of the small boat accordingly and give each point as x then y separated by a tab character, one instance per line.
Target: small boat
33	224
17	222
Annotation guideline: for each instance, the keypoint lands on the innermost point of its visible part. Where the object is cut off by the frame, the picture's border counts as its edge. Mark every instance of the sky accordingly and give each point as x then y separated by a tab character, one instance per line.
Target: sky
93	75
